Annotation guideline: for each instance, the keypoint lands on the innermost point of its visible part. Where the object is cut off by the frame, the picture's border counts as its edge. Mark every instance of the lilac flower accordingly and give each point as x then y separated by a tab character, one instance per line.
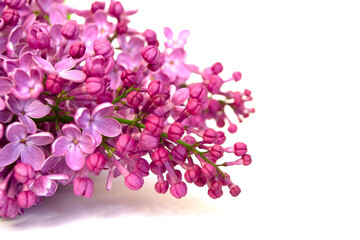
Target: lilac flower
24	146
104	27
27	109
175	65
27	86
97	122
175	43
62	69
73	145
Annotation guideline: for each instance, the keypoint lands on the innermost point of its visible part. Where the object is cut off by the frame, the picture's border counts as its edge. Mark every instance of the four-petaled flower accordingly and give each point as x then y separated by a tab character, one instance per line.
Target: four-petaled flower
97	122
73	145
24	146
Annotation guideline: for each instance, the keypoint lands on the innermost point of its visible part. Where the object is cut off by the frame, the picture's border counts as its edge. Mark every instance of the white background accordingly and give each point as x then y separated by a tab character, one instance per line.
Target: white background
301	61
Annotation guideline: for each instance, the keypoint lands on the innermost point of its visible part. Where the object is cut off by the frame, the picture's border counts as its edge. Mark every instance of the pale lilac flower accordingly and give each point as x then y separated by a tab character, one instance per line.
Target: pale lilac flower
175	43
175	65
27	86
24	146
73	145
62	69
27	109
46	185
130	57
98	123
104	27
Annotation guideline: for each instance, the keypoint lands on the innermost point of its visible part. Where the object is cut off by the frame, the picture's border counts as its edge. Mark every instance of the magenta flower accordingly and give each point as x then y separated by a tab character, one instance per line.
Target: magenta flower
24	146
175	65
27	86
175	43
27	109
62	69
73	145
98	123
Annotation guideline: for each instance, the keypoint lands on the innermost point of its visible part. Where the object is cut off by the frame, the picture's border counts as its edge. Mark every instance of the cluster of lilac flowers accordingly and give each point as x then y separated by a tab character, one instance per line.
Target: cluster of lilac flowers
80	99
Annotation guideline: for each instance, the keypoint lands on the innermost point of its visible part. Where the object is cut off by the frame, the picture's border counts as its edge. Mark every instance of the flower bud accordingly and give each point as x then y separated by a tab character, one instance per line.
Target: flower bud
174	177
26	199
200	181
134	181
216	151
235	190
116	9
104	48
148	141
83	186
194	107
142	167
189	140
221	138
198	91
154	67
121	27
95	162
246	160
154	125
106	96
240	149
10	16
217	68
215	194
38	38
179	153
160	156
125	144
77	50
156	87
10	209
208	170
237	76
23	172
210	136
214	84
96	85
176	131
150	54
97	6
94	66
151	37
129	78
16	4
156	169
134	98
54	83
70	30
192	173
178	190
162	187
232	128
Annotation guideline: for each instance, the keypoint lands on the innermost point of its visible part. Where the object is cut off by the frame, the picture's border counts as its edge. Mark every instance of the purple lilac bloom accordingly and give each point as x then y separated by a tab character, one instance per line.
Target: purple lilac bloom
98	122
73	145
20	144
27	86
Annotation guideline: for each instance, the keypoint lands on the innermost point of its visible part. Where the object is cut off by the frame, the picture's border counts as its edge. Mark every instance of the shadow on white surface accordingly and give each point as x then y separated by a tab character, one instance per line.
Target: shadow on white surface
65	208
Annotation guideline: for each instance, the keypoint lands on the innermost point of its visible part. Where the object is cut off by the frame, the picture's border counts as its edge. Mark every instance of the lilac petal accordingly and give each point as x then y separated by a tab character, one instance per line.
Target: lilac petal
2	104
71	130
10	66
104	109
61	145
90	32
13	104
45	65
40	139
6	116
16	132
36	75
63	169
82	117
100	18
64	65
136	44
32	155
10	153
29	123
55	33
29	21
44	186
56	16
180	96
183	71
178	54
15	35
75	158
107	126
26	61
168	33
91	130
2	44
37	109
50	163
183	35
5	85
87	143
22	79
73	75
